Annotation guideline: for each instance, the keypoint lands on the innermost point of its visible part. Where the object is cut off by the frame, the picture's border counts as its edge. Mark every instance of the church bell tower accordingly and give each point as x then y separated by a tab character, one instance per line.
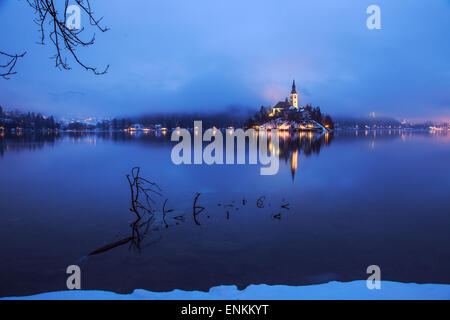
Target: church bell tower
293	98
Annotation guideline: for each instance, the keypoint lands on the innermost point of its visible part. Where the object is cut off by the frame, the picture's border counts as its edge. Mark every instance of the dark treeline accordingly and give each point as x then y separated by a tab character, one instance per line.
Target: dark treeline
26	121
233	116
186	120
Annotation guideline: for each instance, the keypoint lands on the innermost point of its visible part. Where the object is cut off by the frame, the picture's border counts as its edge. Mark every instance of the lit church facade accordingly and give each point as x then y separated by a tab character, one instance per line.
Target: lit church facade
291	104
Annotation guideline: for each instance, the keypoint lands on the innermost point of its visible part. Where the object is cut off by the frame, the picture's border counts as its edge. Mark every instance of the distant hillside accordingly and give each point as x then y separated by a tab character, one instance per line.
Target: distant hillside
233	116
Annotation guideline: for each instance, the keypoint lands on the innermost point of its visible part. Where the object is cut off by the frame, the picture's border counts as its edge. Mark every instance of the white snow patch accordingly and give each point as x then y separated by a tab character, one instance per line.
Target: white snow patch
332	290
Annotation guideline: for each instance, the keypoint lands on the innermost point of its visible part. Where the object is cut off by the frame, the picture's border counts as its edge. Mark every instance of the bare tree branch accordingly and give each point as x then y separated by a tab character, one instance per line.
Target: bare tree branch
65	39
10	64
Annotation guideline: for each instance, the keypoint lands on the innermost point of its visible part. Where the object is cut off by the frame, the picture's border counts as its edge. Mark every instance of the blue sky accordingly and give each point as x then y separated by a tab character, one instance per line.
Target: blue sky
198	55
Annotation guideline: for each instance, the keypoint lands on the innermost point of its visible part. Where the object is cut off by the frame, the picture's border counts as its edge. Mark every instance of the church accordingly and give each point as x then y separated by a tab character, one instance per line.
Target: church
291	104
288	115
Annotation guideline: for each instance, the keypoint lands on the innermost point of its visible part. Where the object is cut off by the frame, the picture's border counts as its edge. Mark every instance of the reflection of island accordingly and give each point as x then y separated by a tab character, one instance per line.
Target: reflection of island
294	145
306	143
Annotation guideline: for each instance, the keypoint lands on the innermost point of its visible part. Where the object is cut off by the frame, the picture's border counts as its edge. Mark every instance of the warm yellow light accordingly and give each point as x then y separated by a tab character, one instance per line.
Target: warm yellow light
284	127
294	160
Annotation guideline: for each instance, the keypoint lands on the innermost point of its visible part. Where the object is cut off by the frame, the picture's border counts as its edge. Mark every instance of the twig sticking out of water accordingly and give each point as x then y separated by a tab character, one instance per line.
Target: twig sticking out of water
197	209
286	206
141	188
276	216
260	202
165	212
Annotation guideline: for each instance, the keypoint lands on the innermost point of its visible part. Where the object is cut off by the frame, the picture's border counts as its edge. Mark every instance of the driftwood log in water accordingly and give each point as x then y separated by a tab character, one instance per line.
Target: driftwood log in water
111	246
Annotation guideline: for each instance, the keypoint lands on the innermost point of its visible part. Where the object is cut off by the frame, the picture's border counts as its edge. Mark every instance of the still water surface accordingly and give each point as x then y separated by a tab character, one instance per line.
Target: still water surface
338	204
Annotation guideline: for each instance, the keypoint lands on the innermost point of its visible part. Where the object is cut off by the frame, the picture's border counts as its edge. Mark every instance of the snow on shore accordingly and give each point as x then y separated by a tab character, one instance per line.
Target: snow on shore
332	290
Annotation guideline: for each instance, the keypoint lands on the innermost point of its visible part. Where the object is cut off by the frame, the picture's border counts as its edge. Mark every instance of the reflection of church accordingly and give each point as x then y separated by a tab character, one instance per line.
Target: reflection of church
293	145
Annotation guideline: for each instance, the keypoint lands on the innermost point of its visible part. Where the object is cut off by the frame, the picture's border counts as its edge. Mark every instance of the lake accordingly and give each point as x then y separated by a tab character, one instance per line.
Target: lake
338	204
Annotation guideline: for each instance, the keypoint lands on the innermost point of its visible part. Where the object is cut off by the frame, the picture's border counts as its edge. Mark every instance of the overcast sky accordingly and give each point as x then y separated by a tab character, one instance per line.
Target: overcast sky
171	55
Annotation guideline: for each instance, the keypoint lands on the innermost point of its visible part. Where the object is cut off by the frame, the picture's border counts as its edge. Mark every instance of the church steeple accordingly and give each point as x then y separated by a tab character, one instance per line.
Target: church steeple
293	98
293	87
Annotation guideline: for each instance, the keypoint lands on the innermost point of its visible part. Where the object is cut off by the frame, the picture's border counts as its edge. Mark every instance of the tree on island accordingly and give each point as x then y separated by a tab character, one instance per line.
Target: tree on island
64	38
328	122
